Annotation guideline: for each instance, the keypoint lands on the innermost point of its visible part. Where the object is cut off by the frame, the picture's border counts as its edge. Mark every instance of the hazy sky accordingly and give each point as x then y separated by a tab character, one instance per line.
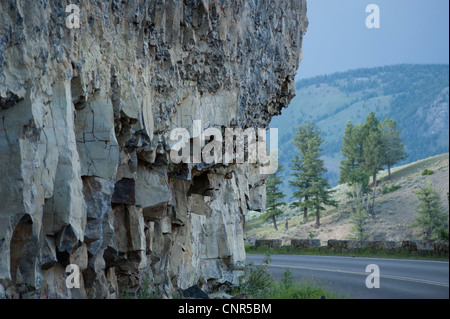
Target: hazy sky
411	31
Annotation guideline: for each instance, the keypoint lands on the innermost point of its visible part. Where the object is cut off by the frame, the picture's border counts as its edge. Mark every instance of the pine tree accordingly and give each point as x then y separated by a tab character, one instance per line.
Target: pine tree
371	124
372	162
273	197
350	151
302	185
312	189
359	215
302	169
351	171
392	146
431	219
321	196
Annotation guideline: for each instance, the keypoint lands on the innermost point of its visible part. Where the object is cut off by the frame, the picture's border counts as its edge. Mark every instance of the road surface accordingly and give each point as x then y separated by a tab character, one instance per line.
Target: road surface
399	278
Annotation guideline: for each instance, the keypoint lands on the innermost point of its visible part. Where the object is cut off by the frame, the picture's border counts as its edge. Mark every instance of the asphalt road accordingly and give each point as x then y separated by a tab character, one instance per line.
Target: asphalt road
399	278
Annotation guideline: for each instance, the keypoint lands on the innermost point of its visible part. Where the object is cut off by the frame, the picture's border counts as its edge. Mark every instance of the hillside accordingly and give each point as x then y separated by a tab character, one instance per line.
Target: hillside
395	211
416	96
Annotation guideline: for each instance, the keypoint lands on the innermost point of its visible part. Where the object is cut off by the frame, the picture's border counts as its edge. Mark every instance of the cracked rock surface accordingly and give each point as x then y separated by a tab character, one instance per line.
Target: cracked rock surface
85	117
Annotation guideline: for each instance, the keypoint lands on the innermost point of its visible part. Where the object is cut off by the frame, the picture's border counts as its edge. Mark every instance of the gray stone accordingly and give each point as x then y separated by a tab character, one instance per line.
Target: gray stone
124	192
194	292
135	229
80	257
153	188
67	239
48	253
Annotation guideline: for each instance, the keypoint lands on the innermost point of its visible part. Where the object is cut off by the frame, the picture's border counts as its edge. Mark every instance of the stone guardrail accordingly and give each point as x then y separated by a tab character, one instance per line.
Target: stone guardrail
413	246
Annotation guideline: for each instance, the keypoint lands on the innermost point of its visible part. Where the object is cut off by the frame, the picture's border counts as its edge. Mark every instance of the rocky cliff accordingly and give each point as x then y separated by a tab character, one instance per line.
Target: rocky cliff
85	114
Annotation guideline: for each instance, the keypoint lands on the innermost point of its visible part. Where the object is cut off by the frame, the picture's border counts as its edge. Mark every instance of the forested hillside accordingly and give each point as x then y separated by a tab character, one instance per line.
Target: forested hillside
415	96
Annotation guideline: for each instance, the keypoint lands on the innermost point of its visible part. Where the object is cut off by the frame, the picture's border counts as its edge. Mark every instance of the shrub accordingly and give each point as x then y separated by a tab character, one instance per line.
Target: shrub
288	279
257	281
427	172
391	189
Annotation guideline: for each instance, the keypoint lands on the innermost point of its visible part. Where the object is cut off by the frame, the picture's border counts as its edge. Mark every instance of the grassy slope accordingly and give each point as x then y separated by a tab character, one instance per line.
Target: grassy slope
395	211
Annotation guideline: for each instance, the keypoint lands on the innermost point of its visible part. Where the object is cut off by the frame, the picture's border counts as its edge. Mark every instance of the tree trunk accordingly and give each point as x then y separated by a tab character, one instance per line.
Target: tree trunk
274	222
305	211
372	210
389	171
318	218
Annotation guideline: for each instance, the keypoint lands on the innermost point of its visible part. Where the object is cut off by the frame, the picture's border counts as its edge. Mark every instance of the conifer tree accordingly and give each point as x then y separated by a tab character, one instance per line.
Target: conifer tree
392	146
311	188
350	151
273	197
372	161
302	186
362	149
351	171
431	219
359	215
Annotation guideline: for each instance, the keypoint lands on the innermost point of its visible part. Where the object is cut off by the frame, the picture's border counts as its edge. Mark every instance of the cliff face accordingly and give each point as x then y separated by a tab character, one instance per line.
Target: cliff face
85	176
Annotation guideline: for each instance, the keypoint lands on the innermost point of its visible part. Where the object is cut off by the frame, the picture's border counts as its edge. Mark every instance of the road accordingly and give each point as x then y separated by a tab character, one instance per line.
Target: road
399	278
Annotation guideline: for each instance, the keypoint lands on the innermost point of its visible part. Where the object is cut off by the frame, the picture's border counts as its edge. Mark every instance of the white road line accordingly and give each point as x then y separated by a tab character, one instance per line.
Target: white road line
422	281
378	258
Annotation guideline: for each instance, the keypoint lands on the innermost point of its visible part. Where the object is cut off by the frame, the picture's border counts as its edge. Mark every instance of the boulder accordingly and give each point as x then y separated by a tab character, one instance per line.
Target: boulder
337	244
193	292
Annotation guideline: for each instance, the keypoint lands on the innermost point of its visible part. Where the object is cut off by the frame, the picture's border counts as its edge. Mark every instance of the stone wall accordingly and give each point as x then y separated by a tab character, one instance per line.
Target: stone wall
272	243
85	113
412	246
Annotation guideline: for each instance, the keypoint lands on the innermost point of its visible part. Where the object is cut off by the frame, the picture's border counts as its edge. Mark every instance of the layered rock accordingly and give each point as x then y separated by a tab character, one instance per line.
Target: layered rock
85	174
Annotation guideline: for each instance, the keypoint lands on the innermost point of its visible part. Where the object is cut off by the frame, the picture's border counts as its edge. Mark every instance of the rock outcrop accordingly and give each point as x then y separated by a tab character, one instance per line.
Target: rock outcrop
85	116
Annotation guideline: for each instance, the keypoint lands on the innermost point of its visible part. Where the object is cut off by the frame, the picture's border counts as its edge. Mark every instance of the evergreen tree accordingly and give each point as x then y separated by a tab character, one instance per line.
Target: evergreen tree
302	185
302	168
431	219
371	125
350	151
273	197
392	146
359	215
372	162
351	171
366	142
321	196
312	189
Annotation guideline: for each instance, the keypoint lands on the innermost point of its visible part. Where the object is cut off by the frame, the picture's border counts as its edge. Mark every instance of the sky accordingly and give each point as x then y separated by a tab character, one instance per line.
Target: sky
337	39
